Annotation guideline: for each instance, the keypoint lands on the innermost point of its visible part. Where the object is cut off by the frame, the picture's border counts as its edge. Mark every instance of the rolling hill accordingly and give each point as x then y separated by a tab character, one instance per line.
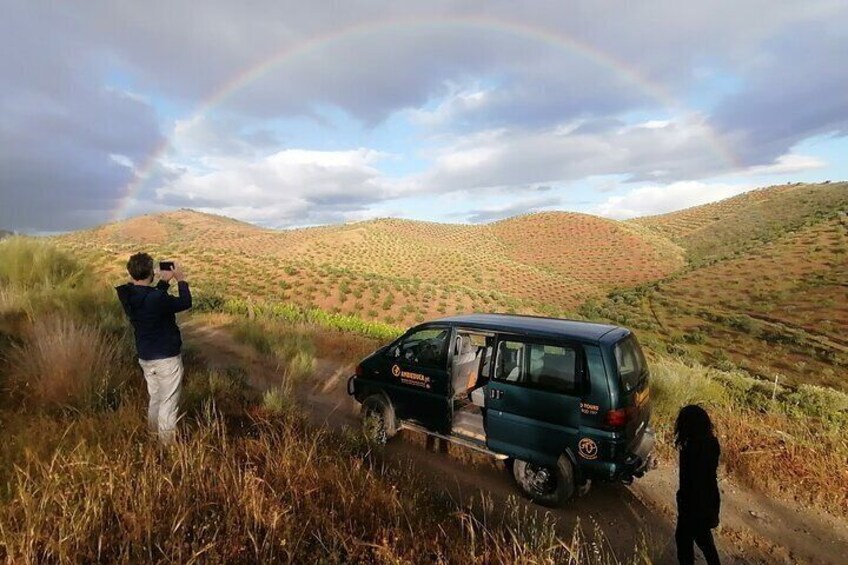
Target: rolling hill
766	287
757	281
397	271
721	229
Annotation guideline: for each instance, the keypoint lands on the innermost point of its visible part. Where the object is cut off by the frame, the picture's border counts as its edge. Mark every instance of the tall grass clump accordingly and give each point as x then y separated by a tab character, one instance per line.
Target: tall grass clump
27	264
38	278
224	390
65	364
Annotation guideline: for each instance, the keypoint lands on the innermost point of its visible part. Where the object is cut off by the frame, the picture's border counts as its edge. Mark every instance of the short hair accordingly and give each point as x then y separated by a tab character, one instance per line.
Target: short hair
140	267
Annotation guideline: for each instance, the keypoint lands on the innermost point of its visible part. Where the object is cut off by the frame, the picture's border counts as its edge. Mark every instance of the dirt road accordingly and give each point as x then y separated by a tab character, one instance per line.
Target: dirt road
755	529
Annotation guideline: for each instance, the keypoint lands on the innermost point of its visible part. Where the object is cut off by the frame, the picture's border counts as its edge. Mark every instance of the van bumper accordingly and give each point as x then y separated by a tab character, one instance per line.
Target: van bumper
640	459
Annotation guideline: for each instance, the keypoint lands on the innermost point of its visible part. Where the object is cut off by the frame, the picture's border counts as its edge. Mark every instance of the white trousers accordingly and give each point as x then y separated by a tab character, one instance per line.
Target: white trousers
164	383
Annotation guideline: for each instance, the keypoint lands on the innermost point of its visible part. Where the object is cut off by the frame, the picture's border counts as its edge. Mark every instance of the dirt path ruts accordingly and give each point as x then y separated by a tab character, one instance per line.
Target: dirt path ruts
755	529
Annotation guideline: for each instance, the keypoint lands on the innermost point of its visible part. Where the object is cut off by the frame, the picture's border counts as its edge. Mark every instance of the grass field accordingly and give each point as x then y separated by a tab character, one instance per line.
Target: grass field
250	481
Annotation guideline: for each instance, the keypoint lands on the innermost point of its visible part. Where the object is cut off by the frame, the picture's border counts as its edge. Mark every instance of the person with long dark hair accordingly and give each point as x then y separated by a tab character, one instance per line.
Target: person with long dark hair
698	500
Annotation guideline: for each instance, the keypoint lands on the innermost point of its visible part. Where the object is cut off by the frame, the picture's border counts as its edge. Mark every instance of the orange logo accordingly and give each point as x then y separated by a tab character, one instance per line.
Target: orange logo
588	448
396	370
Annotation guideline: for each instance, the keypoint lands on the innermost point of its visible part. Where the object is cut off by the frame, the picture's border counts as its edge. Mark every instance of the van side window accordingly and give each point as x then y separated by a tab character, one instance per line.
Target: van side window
426	348
545	367
630	361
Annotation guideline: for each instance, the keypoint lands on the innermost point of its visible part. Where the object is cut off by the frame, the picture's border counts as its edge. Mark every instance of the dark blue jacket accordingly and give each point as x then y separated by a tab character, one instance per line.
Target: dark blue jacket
152	313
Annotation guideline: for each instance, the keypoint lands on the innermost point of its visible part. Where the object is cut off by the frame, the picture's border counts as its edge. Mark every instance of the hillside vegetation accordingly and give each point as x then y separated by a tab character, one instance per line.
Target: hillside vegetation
755	281
396	271
765	289
721	229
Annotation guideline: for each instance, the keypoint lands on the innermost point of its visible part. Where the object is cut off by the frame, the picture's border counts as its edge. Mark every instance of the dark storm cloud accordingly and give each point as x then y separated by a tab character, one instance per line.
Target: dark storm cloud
64	138
799	90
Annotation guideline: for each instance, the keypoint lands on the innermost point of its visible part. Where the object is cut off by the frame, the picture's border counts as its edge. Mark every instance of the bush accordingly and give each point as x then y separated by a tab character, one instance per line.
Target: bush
205	302
27	264
66	364
675	384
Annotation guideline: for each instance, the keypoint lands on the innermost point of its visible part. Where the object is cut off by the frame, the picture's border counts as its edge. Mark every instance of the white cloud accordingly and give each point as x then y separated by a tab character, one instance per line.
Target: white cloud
650	200
284	186
680	148
786	164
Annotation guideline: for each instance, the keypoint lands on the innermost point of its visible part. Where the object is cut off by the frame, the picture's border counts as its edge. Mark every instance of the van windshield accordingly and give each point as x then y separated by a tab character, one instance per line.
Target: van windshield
630	361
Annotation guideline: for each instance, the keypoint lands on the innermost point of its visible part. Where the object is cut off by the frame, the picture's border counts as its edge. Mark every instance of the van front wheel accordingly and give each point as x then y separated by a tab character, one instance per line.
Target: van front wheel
378	419
548	486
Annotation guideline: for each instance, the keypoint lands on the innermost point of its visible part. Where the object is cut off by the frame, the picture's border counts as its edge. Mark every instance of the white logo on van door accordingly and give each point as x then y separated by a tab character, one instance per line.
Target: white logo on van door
587	448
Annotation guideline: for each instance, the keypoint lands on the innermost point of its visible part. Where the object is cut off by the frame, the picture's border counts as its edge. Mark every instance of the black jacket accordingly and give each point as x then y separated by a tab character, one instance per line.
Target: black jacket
698	500
152	313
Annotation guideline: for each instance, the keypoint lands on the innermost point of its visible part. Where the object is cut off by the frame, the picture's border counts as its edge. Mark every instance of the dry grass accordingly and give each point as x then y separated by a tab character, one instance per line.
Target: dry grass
29	264
794	446
65	364
271	489
246	483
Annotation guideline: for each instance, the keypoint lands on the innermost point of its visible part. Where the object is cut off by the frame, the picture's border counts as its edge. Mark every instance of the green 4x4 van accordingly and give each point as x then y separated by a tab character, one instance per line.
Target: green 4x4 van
564	402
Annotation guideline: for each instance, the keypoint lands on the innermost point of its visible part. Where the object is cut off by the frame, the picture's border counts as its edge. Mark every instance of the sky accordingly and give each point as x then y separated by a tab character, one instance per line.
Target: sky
289	114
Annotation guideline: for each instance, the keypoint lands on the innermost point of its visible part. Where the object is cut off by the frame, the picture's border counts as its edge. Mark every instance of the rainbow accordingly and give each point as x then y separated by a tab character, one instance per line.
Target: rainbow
463	23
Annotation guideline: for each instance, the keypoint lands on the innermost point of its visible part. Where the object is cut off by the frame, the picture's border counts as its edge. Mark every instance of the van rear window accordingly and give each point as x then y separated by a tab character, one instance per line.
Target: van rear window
630	361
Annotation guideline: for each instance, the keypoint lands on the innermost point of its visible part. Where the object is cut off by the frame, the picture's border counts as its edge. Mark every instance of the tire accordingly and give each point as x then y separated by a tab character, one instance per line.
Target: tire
378	419
548	486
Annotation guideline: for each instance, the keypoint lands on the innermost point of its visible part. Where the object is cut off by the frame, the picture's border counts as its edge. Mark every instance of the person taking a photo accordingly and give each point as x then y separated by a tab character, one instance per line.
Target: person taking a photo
152	312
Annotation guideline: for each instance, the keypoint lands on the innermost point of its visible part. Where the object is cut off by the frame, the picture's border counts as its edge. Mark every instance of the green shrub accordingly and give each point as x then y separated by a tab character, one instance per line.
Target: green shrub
225	390
278	401
27	263
292	313
675	384
206	302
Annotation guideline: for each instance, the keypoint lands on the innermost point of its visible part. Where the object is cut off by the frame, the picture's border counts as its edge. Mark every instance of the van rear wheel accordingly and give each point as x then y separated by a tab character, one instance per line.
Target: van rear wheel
546	485
378	419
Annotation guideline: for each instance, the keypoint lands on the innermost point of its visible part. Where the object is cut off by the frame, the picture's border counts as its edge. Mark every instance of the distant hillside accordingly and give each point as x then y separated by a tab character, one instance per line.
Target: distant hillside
766	289
398	270
6	233
730	226
756	281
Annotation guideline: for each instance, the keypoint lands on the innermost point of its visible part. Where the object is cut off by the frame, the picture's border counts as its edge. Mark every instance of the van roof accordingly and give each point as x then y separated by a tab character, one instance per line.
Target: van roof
531	324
